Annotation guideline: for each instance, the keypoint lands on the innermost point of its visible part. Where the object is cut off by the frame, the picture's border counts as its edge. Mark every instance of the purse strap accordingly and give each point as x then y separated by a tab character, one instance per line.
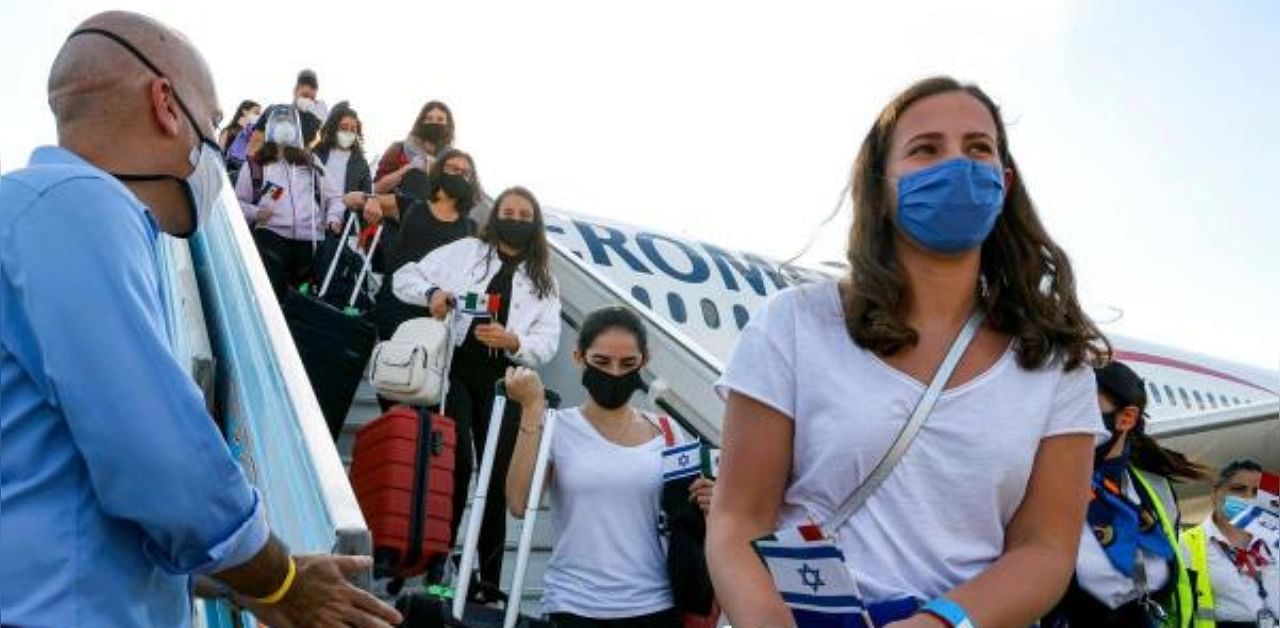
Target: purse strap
910	430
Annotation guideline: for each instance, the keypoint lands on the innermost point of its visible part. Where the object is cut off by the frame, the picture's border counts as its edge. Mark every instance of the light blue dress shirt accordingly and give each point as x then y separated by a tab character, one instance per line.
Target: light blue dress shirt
115	484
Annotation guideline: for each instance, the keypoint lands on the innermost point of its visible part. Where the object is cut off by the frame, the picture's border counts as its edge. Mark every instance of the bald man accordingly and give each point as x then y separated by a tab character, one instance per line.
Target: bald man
115	486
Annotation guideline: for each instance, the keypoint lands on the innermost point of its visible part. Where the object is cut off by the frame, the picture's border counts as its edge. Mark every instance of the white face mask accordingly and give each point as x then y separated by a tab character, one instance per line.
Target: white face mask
202	187
346	139
250	119
304	103
204	184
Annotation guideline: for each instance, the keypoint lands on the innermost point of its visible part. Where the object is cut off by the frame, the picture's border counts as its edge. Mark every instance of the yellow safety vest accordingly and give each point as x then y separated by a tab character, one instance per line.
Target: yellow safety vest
1197	545
1182	606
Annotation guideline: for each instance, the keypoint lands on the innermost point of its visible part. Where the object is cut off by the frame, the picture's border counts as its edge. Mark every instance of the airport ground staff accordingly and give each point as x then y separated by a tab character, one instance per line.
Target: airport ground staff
1236	576
115	485
1128	572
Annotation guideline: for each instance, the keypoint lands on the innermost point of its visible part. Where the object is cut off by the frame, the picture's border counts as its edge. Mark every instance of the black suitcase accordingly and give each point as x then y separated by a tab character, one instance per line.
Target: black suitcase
347	274
333	341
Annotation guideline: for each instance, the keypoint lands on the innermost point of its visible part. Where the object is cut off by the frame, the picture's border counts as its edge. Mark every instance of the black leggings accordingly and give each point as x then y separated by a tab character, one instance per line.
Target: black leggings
661	619
471	392
288	262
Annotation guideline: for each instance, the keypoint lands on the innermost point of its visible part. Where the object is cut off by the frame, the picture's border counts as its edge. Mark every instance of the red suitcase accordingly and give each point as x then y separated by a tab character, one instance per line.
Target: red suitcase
402	473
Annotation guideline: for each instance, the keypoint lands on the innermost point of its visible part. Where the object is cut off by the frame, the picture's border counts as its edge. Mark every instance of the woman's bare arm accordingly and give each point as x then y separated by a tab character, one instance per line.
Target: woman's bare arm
1040	544
754	465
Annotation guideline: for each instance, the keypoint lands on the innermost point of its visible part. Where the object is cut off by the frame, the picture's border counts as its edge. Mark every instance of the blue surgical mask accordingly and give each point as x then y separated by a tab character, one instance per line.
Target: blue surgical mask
1233	506
951	207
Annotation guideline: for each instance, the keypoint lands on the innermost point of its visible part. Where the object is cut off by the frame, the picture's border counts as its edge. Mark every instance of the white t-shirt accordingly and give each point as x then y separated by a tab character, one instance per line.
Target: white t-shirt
1097	576
940	517
335	170
607	561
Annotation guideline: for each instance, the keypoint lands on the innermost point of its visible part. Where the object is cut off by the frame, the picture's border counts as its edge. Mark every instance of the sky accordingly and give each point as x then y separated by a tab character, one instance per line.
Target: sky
1146	131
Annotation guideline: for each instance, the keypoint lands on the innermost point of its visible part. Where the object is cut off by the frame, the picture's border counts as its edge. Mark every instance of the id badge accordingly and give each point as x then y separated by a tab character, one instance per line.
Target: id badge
1267	619
809	572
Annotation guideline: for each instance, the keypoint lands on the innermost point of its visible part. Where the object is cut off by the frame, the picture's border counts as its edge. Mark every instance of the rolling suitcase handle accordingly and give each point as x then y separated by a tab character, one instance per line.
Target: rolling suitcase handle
366	259
337	255
364	269
530	519
472	538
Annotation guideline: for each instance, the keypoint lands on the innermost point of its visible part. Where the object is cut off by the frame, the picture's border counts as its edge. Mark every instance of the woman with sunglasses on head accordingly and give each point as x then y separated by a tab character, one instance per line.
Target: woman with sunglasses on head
414	228
978	521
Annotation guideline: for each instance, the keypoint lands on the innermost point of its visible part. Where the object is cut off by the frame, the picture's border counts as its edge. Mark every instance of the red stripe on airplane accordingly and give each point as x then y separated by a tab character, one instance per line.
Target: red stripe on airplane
1136	356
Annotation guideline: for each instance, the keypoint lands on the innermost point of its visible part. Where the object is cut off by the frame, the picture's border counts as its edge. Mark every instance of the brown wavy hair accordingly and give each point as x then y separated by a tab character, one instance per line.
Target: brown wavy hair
538	254
449	126
1027	287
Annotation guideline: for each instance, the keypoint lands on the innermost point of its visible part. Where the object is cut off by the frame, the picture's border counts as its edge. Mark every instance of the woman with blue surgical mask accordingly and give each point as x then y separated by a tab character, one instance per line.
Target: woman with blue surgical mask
1237	575
1128	571
974	518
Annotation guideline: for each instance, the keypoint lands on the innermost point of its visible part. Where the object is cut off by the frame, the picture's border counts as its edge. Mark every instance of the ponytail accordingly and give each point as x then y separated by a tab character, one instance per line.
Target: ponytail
1149	456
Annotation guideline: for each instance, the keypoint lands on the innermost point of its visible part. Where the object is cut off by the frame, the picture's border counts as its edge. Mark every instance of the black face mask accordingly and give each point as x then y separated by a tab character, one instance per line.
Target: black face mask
456	187
515	233
1109	422
610	391
433	132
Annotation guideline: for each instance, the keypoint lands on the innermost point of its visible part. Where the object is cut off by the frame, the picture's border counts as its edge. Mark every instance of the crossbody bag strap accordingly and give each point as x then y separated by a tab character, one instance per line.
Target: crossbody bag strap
909	430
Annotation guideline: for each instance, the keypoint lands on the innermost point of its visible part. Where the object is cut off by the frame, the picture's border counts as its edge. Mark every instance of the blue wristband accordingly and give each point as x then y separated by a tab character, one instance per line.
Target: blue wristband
950	612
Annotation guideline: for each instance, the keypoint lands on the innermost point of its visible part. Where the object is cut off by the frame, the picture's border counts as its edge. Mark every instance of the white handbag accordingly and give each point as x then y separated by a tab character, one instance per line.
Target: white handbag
412	366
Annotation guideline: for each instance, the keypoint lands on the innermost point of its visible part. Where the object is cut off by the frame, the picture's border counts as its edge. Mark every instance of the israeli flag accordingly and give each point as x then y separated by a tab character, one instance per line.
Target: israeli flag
810	576
681	461
1263	523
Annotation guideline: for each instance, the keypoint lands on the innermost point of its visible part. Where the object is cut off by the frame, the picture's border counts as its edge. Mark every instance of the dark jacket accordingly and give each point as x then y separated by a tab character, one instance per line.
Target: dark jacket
358	178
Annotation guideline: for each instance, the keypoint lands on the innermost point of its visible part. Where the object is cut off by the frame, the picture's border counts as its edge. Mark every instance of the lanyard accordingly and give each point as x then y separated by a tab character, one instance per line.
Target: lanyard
1255	573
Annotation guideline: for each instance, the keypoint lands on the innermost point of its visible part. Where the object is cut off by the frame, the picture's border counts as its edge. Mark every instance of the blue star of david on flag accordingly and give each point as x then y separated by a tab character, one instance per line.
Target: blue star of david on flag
811	577
680	461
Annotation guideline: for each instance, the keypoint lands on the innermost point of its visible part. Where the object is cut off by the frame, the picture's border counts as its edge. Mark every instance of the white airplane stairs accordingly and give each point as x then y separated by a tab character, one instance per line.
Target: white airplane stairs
229	331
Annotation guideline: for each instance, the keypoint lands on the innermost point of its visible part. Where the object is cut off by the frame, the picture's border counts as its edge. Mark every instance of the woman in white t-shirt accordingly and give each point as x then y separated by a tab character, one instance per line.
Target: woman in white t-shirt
980	520
608	566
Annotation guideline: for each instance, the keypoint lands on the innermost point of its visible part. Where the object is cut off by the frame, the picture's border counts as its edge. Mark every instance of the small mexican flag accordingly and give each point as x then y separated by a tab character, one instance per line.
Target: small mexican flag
1262	520
476	304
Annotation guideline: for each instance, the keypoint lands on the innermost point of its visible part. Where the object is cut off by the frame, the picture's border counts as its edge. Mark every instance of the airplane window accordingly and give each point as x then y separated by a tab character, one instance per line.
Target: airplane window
1236	399
741	316
1213	403
676	305
710	315
641	295
1199	399
1168	393
1155	394
1225	402
1186	401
